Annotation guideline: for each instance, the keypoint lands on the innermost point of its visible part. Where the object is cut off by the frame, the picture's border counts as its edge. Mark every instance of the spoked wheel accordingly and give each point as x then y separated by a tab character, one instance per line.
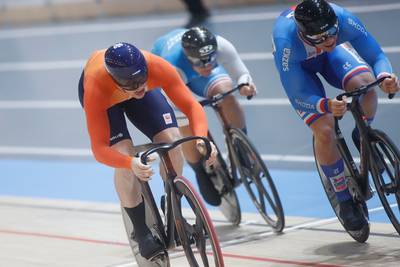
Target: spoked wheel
257	181
385	167
160	261
362	235
196	231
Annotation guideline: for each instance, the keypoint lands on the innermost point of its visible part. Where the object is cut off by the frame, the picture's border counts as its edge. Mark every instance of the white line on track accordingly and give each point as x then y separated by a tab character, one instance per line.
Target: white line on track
67	104
162	23
79	63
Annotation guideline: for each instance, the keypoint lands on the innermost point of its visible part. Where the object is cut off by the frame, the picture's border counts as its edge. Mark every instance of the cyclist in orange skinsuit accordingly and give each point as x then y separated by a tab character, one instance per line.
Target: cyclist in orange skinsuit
121	81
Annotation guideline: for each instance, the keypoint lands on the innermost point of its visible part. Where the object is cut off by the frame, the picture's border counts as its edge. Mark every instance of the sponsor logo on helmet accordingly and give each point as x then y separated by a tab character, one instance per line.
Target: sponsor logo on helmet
136	72
118	45
205	50
323	27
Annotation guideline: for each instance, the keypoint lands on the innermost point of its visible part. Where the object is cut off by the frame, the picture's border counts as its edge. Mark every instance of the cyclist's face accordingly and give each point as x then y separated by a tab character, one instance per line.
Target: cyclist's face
204	71
138	93
328	45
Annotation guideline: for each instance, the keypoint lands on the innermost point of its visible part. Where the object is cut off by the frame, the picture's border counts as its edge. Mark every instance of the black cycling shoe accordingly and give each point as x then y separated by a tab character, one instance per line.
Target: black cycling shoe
351	215
150	246
206	186
207	189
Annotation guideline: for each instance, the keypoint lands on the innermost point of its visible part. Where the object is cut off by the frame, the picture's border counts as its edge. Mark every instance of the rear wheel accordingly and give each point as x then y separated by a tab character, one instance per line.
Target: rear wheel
194	227
385	168
257	180
362	235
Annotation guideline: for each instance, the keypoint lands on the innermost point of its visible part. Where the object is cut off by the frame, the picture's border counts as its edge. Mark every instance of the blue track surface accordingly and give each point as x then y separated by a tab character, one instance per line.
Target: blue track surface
300	191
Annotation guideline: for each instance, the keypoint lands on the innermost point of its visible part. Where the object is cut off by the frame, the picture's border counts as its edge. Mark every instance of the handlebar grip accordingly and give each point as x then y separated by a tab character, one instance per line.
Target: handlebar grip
390	96
143	159
249	97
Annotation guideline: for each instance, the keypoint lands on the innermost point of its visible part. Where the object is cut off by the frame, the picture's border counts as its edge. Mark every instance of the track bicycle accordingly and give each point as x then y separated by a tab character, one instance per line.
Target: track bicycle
186	223
245	166
379	157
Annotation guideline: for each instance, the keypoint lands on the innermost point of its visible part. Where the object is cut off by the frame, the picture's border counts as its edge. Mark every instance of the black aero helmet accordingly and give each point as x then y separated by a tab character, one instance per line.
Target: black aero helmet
314	17
199	42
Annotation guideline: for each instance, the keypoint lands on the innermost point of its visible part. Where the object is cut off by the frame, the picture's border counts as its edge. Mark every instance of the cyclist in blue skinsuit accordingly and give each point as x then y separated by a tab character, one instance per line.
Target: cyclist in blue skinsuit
318	37
208	64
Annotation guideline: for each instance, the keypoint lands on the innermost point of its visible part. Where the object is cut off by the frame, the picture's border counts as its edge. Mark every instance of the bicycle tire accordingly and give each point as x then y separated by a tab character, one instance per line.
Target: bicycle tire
257	180
385	170
201	232
359	236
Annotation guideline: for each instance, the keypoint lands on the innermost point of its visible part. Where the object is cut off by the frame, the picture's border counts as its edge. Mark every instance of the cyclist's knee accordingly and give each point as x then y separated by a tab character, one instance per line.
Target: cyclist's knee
220	87
323	130
168	135
359	80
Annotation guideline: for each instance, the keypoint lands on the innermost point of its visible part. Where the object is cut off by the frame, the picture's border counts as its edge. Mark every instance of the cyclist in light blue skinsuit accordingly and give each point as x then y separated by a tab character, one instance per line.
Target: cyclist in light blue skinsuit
208	64
318	37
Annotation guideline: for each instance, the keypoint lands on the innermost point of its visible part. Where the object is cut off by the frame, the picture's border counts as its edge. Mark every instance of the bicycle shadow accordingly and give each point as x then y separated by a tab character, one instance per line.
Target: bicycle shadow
360	254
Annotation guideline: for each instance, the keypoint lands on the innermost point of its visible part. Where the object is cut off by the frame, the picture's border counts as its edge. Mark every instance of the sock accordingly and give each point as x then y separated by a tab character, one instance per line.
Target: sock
138	218
335	174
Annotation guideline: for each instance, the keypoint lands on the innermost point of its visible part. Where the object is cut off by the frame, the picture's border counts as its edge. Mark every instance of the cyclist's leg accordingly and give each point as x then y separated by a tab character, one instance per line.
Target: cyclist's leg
353	74
219	82
332	164
157	121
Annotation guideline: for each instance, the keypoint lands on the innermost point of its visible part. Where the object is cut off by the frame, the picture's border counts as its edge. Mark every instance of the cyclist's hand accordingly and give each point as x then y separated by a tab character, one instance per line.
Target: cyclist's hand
201	147
337	107
142	171
390	85
248	90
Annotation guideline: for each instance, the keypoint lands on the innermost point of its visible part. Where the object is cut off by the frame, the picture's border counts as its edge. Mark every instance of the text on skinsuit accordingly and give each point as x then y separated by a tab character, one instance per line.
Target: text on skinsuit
285	59
304	104
357	26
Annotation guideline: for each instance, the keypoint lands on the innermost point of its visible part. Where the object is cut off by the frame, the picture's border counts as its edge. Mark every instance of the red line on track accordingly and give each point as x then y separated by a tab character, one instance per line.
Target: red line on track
228	255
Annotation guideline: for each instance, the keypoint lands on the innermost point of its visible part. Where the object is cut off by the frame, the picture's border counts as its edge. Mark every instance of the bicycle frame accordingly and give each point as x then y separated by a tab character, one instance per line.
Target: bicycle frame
167	235
226	127
360	174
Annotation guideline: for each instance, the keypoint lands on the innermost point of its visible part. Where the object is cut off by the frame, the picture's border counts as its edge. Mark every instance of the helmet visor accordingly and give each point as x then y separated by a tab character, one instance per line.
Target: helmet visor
320	38
132	84
204	62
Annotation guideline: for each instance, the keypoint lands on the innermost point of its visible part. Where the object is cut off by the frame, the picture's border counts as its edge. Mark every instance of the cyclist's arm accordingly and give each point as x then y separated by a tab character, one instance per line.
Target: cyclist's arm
99	130
180	95
365	44
229	58
298	84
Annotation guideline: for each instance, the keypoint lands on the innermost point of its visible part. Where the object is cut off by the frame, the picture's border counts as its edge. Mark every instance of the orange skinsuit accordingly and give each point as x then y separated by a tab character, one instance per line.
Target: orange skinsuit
101	93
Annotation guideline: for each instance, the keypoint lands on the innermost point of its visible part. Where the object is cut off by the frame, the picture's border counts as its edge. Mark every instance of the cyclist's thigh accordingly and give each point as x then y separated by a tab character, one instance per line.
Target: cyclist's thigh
343	63
150	114
202	86
314	87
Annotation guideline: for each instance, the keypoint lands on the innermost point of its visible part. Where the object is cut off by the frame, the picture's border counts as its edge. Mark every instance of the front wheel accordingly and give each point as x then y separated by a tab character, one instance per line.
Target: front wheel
385	169
362	235
257	180
194	227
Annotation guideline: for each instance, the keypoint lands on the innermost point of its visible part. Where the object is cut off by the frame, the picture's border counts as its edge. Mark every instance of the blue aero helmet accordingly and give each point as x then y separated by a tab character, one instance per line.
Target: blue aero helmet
126	65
